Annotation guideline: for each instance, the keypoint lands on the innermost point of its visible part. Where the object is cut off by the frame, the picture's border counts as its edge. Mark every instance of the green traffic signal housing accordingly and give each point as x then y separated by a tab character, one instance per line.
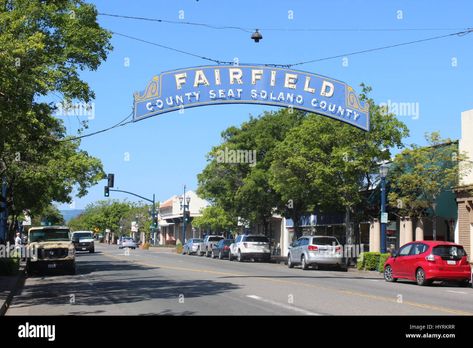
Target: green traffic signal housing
106	191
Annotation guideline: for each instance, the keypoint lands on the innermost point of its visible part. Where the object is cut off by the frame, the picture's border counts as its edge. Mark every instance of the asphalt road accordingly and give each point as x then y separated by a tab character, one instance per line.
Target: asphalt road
152	283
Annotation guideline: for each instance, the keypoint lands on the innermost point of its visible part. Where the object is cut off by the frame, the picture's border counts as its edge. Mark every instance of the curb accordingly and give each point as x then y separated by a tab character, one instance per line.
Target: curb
20	279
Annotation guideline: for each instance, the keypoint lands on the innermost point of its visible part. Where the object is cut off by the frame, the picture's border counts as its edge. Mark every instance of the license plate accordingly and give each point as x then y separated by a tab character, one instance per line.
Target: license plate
450	262
51	265
84	248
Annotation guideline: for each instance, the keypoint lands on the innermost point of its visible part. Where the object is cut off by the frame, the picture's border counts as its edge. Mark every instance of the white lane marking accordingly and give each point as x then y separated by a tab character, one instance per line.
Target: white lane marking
282	305
456	292
374	280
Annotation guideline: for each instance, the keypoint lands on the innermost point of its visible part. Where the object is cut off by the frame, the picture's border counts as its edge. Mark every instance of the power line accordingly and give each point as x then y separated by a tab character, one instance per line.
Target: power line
461	33
172	48
119	124
249	30
210	26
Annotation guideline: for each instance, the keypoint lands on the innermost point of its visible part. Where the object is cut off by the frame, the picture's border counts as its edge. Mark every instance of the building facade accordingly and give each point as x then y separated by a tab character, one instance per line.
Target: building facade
464	192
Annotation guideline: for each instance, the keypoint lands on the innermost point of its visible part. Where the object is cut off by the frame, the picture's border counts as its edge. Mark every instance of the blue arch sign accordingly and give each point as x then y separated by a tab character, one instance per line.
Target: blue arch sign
209	85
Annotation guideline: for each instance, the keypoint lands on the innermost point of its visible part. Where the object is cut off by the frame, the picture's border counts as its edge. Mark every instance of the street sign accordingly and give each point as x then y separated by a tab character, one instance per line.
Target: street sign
248	84
384	218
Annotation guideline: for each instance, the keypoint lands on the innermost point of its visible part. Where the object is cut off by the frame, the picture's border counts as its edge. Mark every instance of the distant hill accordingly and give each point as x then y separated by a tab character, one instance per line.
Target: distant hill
70	213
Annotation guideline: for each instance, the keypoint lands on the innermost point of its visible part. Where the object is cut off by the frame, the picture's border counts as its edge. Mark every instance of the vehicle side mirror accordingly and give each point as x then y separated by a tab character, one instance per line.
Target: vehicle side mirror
394	253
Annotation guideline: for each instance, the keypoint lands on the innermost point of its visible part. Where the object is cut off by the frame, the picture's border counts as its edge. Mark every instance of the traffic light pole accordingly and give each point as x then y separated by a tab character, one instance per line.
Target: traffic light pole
152	201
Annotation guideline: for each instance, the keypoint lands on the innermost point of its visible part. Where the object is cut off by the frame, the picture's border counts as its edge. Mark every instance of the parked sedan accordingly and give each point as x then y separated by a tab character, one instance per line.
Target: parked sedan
427	261
316	250
222	248
127	242
192	246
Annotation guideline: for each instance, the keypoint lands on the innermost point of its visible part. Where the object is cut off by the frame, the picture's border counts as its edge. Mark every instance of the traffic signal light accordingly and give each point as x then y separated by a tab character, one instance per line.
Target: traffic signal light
111	180
187	216
106	191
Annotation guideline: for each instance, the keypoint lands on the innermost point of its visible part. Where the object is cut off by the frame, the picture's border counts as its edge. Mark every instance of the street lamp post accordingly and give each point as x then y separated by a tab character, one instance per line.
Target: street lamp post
383	172
185	207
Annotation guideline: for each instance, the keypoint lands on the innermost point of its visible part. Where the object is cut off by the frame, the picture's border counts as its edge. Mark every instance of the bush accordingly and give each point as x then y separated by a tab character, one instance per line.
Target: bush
179	248
371	260
360	262
145	246
382	260
9	266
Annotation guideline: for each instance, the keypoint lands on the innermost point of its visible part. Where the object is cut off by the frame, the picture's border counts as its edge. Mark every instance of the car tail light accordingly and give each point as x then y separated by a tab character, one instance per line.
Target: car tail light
430	258
338	249
226	247
245	245
313	248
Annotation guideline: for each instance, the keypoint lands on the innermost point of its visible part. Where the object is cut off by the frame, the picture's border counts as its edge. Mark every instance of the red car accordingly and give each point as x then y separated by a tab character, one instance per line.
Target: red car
426	261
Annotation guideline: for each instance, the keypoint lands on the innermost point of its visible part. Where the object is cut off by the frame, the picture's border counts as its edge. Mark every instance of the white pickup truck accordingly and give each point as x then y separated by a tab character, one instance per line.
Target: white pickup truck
207	245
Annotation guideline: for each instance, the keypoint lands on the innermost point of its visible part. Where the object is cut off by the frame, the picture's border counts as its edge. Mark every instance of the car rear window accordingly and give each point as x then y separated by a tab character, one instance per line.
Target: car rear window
449	251
228	241
259	239
213	239
197	240
325	241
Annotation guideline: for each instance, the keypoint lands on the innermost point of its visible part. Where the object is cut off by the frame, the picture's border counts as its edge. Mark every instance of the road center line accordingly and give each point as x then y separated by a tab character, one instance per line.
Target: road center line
281	305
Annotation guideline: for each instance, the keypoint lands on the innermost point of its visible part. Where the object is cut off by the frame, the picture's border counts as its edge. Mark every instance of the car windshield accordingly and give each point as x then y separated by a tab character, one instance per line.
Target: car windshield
213	239
449	251
49	235
324	241
260	239
80	235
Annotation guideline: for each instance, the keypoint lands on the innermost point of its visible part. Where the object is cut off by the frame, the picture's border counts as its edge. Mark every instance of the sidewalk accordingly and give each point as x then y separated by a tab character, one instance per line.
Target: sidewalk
8	286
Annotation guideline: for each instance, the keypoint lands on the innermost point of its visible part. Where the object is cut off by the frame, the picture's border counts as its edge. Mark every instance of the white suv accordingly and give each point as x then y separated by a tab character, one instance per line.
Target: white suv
250	247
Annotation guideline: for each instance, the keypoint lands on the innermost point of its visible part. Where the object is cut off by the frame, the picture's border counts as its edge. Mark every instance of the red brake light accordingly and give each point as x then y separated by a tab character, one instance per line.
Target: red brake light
338	249
226	247
313	248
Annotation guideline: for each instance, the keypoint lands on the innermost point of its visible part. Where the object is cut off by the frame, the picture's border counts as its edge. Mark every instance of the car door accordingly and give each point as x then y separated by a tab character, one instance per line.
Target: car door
399	264
416	255
293	250
234	246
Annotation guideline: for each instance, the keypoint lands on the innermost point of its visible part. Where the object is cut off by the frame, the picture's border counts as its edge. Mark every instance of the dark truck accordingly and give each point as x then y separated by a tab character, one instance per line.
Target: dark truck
83	241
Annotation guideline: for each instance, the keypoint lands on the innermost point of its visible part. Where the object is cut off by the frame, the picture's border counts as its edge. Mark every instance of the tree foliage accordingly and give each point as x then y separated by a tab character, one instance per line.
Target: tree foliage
419	174
44	45
215	219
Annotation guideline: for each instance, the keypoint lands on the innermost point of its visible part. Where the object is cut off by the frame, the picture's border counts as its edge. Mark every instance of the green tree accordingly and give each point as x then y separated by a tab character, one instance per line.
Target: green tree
43	47
327	165
215	218
51	214
243	189
419	174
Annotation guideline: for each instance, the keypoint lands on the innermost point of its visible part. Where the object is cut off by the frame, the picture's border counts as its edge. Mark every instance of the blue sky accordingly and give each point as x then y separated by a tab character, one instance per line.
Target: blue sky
161	154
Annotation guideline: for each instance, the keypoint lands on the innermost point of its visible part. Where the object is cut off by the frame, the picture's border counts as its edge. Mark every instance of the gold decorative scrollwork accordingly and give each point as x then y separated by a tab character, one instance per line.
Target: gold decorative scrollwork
151	91
353	101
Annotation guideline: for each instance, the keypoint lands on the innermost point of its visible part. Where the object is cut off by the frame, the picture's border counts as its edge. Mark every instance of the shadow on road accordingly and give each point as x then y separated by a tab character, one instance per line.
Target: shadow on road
114	282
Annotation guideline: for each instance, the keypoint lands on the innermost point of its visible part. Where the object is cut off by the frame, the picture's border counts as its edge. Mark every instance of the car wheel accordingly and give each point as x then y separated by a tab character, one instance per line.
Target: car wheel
388	274
304	264
289	262
239	256
420	277
230	256
219	255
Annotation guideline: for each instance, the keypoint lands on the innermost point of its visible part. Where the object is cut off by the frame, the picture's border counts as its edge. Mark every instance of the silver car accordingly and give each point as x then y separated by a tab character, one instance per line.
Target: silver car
316	250
192	246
